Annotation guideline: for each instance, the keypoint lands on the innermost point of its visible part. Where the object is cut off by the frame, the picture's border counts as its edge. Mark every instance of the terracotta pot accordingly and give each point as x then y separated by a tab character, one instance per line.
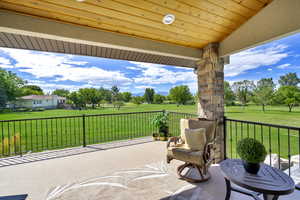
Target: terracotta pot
251	168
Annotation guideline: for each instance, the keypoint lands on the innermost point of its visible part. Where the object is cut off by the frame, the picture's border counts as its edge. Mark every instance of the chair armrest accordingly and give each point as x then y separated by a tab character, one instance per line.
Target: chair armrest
175	140
208	151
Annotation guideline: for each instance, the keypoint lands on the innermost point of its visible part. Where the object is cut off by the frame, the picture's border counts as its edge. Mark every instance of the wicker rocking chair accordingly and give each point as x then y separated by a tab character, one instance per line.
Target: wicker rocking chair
198	159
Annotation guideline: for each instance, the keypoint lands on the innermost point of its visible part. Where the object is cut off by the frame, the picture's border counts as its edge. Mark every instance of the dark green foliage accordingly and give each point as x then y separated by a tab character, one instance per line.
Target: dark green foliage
31	90
10	86
90	96
251	150
243	91
180	94
229	96
61	92
264	92
149	95
159	99
137	100
126	96
288	95
289	79
160	121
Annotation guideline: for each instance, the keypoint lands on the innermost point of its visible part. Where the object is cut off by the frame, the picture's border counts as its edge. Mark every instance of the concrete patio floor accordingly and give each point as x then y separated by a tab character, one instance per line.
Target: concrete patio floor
38	177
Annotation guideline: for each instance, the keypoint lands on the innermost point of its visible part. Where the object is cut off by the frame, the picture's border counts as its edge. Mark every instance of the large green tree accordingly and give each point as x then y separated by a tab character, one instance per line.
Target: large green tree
288	95
31	90
243	91
137	100
105	94
229	96
10	86
264	92
126	96
289	79
159	99
180	94
90	96
149	95
61	92
115	94
77	99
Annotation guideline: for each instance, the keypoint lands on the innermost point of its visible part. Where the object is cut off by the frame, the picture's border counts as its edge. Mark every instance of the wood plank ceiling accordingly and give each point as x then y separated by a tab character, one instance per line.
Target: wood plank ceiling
198	22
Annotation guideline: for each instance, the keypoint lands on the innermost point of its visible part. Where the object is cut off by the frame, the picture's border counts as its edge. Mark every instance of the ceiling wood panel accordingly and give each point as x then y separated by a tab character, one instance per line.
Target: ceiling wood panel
198	22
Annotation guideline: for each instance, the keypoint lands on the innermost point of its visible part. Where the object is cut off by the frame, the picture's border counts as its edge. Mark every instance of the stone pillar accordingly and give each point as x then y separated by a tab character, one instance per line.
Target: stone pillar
210	73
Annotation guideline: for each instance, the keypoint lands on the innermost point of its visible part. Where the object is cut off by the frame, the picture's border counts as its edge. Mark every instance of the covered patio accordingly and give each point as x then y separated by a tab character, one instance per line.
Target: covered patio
124	170
203	36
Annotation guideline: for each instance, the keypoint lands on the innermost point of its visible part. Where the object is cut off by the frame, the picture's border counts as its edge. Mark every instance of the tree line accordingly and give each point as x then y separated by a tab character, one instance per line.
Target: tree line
13	87
265	92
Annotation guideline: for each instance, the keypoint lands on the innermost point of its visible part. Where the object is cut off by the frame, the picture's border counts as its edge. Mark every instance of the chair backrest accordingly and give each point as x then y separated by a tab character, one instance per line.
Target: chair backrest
194	123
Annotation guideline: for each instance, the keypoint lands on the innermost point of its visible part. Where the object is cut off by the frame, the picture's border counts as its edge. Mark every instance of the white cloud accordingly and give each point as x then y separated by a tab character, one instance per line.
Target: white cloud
283	66
46	65
270	69
5	63
133	68
155	74
254	58
49	87
143	86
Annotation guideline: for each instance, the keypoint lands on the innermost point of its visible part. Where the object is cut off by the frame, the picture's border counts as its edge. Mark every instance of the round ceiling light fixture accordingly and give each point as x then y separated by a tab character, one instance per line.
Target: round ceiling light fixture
80	0
168	19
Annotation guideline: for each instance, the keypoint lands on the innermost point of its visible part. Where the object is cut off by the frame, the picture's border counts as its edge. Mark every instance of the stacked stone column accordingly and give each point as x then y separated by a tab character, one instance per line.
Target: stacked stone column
210	73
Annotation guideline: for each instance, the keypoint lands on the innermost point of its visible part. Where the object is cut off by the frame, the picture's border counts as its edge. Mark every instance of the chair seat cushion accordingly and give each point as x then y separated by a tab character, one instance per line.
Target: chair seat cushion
186	155
195	139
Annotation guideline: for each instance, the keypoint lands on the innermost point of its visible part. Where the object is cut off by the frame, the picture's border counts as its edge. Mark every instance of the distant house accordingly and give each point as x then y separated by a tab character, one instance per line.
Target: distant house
39	101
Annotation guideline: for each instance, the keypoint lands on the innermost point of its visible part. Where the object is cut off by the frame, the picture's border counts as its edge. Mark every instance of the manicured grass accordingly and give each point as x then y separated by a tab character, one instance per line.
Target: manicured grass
39	135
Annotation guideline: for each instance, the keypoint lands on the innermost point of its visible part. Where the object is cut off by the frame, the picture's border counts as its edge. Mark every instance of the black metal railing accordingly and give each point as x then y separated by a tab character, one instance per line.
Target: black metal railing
278	139
33	135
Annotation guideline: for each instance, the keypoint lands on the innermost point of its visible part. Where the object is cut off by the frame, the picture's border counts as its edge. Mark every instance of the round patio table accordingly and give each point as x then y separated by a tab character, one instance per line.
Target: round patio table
269	181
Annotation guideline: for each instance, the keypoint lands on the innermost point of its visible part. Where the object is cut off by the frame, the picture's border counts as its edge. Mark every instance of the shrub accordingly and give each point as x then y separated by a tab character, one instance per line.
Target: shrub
251	150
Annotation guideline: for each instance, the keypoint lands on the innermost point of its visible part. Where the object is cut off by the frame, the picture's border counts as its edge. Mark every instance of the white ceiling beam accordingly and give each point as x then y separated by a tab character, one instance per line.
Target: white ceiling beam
15	23
279	19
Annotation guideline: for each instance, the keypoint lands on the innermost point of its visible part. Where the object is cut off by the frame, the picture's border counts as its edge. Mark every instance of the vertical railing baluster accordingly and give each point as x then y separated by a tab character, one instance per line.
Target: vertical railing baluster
299	147
231	140
42	134
254	127
236	138
8	131
247	129
278	142
20	142
83	131
270	146
289	151
14	138
2	138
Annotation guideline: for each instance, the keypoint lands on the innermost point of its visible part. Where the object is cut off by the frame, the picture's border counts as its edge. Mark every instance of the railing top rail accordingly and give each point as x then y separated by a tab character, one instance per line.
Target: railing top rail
78	116
265	124
173	112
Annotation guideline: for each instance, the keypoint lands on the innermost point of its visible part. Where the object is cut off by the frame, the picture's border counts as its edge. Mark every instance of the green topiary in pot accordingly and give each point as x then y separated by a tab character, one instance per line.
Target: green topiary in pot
252	152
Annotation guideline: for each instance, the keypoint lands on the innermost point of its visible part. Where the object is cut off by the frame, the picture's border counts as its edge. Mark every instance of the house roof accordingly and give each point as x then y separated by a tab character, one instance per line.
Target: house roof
41	97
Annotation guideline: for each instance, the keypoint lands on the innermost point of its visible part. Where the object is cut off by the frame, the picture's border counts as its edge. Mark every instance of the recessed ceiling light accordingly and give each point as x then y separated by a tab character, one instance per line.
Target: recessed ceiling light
168	19
80	0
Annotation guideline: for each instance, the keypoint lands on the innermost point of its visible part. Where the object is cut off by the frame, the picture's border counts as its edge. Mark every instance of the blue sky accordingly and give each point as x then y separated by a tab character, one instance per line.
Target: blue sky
55	71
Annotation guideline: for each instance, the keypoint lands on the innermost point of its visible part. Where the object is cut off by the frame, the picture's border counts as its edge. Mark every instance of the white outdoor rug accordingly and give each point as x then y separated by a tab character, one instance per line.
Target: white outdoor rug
150	182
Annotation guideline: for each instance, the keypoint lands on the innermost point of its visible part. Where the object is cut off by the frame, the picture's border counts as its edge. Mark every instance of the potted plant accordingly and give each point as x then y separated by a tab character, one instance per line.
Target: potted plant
161	122
252	152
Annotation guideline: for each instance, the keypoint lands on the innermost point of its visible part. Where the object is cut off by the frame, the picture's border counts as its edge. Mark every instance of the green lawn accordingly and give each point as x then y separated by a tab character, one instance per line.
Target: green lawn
39	135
